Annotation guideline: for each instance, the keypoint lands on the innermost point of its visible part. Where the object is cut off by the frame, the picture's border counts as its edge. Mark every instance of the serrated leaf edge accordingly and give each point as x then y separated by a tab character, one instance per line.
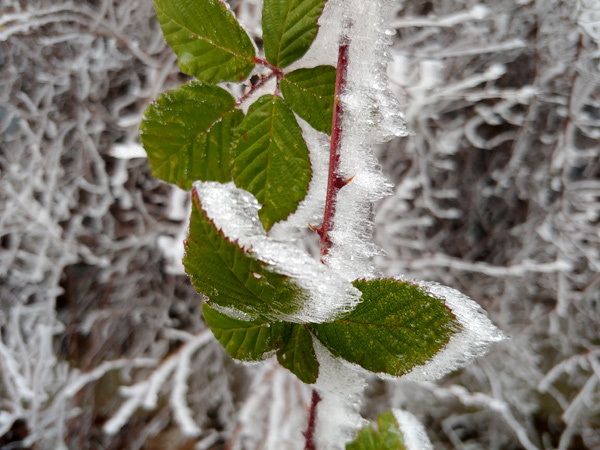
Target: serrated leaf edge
233	242
206	39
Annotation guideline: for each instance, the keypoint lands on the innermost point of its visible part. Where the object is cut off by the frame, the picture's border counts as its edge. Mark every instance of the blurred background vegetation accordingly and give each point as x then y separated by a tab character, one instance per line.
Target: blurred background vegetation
497	194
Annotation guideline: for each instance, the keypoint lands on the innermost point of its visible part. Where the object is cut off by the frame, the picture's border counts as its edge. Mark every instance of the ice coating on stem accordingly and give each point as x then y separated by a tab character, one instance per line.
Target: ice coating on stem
370	115
235	212
413	432
341	388
477	334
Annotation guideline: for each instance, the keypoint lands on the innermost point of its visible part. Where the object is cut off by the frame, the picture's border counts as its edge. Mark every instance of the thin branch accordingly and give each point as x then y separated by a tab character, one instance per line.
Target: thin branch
335	182
312	420
254	88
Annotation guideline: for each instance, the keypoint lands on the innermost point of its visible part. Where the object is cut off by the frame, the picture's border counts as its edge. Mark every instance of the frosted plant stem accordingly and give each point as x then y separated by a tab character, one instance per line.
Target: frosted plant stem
334	181
312	420
334	184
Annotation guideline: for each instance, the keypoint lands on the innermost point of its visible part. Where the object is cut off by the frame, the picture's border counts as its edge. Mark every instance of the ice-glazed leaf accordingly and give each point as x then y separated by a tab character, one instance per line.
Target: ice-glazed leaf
396	327
255	340
310	92
234	211
289	28
187	133
298	354
386	435
231	277
270	159
209	42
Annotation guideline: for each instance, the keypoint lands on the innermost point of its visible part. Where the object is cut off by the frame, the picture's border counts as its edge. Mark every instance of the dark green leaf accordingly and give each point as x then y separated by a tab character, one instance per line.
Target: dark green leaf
298	354
385	436
187	133
270	159
289	29
209	42
310	94
255	340
396	327
246	341
231	277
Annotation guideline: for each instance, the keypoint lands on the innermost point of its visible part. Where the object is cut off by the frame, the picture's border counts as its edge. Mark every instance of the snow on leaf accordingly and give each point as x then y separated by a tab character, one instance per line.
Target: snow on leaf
225	272
396	327
264	277
476	335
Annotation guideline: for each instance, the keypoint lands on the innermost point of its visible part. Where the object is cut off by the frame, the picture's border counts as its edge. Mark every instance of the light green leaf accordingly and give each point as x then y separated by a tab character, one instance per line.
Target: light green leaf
289	29
255	340
187	133
270	159
231	277
209	42
386	435
396	327
310	93
298	354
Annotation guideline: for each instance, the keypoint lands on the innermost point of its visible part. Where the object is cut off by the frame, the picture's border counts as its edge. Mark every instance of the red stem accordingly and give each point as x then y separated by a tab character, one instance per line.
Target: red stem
275	71
258	85
309	434
335	182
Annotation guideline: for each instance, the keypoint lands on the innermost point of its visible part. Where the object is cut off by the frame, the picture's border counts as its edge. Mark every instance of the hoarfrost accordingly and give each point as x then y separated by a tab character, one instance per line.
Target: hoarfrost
371	115
235	212
477	334
279	426
78	245
413	432
341	387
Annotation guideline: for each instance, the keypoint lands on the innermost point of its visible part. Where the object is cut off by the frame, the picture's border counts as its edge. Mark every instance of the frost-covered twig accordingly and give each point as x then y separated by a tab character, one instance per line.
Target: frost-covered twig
145	394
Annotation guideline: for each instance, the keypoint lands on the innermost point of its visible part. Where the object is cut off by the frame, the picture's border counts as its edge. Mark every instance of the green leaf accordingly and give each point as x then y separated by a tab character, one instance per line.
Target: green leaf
255	340
310	93
209	42
298	354
289	29
396	327
187	133
385	436
270	159
231	277
246	340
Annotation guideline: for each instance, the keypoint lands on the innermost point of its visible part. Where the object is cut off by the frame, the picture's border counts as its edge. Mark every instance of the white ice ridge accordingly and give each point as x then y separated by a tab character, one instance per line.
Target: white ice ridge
235	212
477	334
341	390
371	115
413	431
